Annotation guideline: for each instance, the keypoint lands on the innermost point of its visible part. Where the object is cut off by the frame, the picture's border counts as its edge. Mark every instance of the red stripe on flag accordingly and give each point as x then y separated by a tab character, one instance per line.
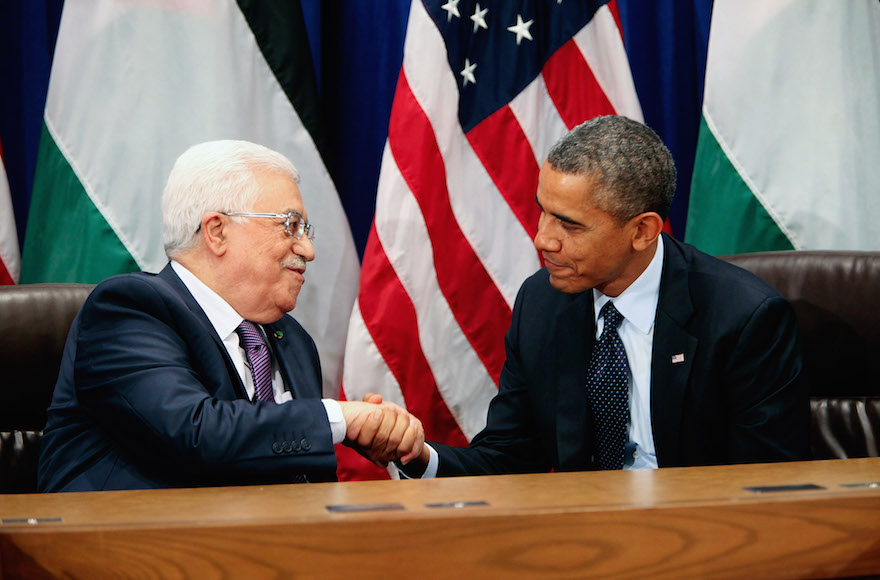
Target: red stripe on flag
512	166
478	306
615	13
5	277
397	338
573	87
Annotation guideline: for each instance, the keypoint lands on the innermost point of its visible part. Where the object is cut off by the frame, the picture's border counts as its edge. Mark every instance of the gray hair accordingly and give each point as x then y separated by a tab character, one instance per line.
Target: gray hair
214	176
633	169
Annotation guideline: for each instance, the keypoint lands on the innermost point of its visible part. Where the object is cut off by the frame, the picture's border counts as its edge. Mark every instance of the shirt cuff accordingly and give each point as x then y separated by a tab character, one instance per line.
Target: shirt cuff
430	470
336	418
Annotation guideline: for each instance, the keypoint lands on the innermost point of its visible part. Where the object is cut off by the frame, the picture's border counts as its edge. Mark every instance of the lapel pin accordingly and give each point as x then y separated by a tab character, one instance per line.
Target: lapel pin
279	335
678	358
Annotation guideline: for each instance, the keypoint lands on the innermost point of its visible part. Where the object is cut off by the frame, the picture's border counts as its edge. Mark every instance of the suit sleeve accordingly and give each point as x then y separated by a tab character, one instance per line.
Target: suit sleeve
151	390
509	443
768	398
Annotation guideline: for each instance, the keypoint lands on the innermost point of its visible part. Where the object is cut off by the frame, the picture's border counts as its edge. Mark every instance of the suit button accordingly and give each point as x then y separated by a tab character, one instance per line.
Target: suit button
276	447
305	445
296	446
286	446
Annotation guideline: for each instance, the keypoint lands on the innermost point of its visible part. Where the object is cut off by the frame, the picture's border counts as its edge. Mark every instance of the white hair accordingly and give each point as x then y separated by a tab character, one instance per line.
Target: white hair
214	176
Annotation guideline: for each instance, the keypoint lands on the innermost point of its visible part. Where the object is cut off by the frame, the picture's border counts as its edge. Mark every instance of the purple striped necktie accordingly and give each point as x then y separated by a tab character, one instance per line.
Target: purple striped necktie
258	355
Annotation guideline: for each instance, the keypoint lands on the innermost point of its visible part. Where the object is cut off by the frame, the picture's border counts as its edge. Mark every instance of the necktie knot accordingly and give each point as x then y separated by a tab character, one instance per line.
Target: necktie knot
250	335
612	317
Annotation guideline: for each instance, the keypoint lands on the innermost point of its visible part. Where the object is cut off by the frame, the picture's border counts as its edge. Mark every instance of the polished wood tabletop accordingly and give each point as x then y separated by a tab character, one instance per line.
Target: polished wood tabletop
801	519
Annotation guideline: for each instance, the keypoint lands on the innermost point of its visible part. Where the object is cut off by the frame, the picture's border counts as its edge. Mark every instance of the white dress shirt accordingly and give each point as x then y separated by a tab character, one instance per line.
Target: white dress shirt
225	320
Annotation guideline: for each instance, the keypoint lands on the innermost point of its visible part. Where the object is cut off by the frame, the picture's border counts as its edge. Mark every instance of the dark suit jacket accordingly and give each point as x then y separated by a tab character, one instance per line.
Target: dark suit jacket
147	397
737	397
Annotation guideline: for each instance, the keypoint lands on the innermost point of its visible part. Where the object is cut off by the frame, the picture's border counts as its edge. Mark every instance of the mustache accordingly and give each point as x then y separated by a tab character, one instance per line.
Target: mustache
297	263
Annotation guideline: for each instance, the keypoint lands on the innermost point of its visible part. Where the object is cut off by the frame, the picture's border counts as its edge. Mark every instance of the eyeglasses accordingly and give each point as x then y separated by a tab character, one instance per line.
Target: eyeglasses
294	224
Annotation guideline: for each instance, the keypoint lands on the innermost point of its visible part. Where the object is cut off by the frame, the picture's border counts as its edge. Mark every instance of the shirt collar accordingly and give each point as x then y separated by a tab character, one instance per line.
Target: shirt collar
638	303
222	316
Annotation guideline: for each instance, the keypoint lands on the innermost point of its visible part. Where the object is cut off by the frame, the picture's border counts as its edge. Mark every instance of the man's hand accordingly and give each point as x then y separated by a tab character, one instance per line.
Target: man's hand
382	431
373	398
418	450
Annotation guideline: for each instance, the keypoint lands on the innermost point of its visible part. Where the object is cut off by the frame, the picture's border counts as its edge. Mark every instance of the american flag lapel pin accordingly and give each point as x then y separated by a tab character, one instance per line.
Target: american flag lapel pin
678	358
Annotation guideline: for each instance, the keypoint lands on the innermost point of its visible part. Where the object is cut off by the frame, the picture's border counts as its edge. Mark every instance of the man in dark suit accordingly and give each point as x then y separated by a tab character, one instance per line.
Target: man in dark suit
196	376
708	357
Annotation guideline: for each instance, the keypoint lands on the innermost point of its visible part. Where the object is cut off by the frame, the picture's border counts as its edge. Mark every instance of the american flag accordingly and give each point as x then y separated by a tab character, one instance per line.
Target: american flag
485	90
10	259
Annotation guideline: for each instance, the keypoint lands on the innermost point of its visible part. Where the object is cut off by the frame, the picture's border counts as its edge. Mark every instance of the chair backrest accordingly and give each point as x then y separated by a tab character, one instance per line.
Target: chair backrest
836	297
34	321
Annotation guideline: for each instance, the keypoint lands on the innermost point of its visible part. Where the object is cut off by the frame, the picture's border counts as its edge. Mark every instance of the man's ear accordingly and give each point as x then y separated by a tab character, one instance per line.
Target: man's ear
646	229
214	232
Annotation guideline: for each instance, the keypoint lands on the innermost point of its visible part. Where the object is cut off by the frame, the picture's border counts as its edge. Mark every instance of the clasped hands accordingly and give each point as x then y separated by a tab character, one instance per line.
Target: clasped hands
382	431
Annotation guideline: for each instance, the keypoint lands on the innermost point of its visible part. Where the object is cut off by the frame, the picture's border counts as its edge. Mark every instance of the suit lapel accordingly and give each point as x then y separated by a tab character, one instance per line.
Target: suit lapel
168	276
289	351
573	342
672	355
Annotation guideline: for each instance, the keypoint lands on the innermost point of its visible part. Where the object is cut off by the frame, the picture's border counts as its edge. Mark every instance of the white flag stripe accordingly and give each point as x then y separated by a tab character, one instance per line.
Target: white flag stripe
538	117
88	186
792	95
482	213
602	46
369	367
462	380
206	80
747	178
9	252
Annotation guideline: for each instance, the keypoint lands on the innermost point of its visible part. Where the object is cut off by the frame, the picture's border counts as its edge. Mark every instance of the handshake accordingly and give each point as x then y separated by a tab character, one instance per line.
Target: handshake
382	431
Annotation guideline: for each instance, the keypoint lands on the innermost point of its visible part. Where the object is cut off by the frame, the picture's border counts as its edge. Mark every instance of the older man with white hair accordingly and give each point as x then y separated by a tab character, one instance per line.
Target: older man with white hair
195	376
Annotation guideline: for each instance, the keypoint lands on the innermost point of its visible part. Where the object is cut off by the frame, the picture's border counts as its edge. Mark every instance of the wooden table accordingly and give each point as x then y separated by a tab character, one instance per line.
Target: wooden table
676	523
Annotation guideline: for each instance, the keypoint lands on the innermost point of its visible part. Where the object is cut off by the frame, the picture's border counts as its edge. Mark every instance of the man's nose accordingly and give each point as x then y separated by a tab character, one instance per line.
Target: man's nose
304	247
544	241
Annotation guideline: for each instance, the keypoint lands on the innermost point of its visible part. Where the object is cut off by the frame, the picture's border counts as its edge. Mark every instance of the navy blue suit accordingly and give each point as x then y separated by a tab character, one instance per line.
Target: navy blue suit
737	396
147	397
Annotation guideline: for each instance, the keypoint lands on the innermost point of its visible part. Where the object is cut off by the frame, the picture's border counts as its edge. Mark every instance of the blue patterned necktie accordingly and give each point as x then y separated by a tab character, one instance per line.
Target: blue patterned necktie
258	355
608	391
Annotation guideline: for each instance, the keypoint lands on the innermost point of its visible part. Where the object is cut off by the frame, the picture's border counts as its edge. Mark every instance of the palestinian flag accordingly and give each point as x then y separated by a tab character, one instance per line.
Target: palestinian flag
133	85
789	147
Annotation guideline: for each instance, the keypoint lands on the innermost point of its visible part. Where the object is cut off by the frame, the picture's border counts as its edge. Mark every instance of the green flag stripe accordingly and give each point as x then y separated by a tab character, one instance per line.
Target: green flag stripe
724	216
67	239
280	30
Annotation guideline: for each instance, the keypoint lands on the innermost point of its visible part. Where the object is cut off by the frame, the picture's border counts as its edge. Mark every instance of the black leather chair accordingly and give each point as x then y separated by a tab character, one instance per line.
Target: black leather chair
34	320
836	296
